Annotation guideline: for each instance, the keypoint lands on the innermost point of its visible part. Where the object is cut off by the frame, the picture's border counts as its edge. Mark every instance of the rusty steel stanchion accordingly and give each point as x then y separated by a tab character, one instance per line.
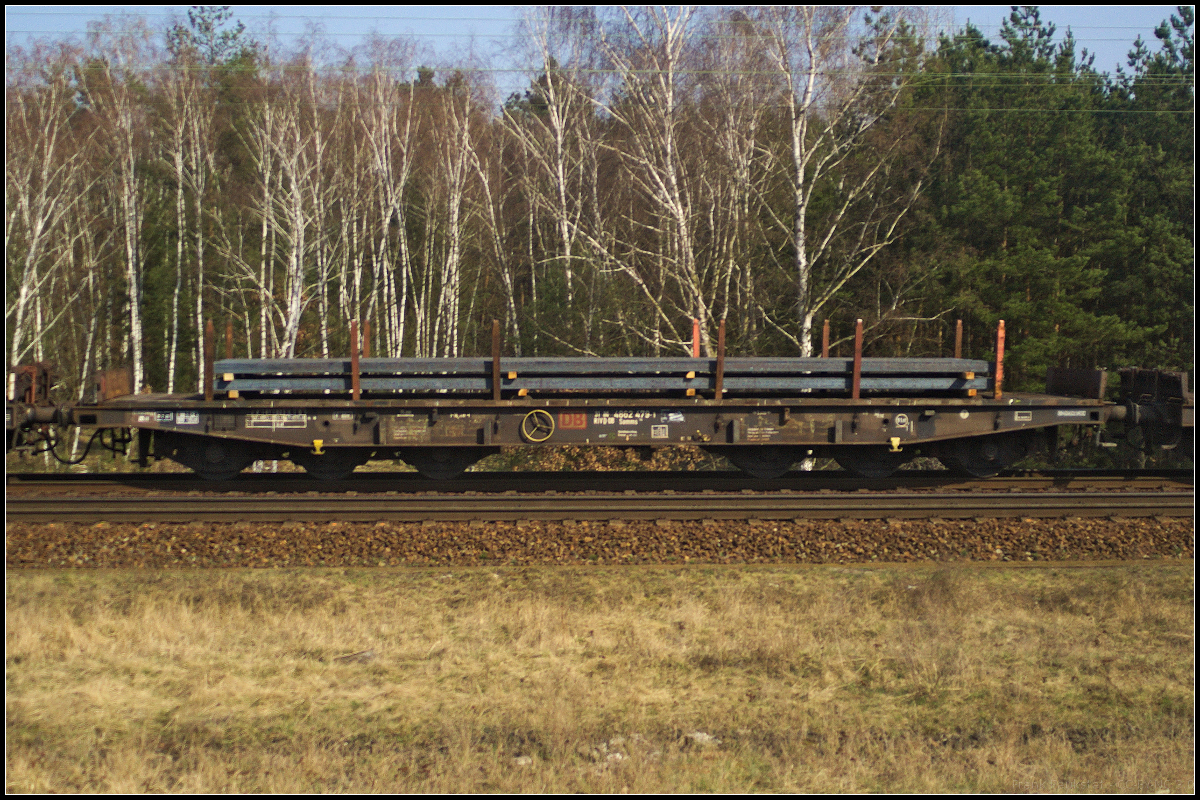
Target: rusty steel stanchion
720	387
355	377
210	335
825	340
999	359
856	378
496	359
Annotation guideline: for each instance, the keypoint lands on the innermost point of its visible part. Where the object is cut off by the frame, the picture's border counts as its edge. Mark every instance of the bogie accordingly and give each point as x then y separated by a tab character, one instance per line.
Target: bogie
764	461
441	463
332	464
983	456
212	458
871	461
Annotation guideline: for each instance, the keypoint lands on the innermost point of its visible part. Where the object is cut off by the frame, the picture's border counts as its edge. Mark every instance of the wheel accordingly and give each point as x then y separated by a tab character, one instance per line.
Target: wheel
441	463
335	464
765	461
983	456
871	461
211	458
538	426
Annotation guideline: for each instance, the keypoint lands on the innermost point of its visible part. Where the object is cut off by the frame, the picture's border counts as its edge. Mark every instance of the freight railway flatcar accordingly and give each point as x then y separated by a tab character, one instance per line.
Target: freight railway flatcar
441	415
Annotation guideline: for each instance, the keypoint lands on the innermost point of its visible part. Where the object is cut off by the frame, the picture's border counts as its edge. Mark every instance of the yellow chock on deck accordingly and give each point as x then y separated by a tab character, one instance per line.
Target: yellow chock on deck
317	451
895	440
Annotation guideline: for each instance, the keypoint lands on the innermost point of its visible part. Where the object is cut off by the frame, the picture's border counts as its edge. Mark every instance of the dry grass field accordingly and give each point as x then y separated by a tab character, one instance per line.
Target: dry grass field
602	679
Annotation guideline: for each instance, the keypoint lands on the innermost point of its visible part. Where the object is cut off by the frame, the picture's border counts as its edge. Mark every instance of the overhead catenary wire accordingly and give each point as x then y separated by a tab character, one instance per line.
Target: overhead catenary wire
493	35
983	27
1021	79
964	30
1050	77
347	56
51	12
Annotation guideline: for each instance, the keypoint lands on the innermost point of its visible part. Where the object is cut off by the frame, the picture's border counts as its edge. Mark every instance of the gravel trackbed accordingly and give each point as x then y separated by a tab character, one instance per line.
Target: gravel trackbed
202	544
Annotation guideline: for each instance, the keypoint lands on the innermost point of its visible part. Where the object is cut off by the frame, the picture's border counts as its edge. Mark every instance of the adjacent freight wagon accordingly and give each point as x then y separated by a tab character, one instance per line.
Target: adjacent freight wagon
441	415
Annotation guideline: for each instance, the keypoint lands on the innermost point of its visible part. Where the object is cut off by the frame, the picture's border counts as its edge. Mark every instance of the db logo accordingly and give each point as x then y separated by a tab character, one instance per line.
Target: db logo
572	421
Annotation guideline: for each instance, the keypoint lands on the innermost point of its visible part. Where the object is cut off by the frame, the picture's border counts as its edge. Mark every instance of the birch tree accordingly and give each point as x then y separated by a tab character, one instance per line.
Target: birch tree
390	128
296	150
648	51
46	172
554	129
120	51
281	144
457	110
198	50
840	74
737	161
496	187
178	107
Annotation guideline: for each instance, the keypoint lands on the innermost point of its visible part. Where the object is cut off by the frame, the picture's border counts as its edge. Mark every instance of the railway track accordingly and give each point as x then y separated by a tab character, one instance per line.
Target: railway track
598	506
649	481
393	496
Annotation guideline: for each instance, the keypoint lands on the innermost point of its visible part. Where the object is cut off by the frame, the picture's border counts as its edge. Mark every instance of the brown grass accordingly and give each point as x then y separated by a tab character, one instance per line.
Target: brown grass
640	679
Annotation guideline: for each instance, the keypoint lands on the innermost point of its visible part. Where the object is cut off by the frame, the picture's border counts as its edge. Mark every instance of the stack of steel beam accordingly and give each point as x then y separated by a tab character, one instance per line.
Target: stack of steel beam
658	376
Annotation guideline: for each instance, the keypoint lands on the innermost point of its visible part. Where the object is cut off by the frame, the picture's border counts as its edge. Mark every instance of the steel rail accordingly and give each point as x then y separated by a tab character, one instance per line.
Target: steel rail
597	506
371	482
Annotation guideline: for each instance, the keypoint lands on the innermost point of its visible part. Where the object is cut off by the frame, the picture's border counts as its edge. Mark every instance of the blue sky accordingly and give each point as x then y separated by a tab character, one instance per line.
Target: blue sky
449	31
